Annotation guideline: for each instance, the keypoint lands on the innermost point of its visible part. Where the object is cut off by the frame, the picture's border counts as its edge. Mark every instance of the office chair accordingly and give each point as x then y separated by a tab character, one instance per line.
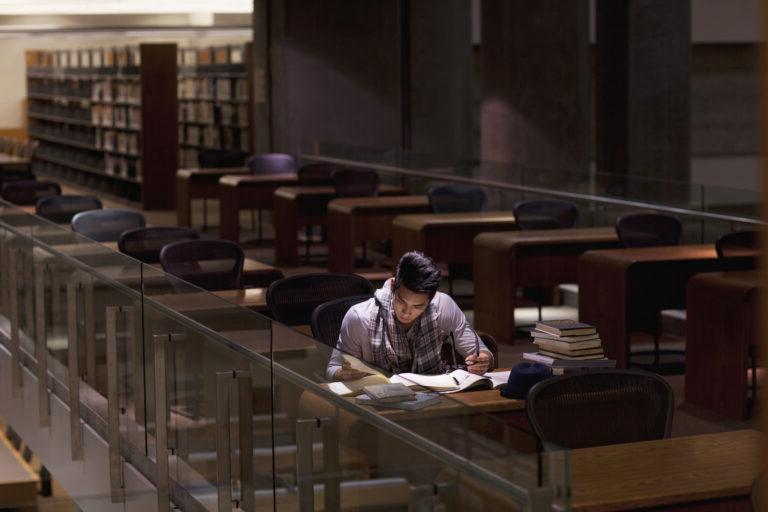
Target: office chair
61	209
600	407
545	214
211	158
108	224
28	192
355	183
293	299
327	317
456	198
738	243
145	244
271	163
318	174
648	230
208	264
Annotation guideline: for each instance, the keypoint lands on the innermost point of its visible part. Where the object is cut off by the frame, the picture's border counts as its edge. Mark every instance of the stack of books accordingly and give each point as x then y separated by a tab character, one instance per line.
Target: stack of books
568	345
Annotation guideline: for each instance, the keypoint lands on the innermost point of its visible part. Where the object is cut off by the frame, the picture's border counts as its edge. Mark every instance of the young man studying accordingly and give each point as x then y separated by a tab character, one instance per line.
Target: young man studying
404	326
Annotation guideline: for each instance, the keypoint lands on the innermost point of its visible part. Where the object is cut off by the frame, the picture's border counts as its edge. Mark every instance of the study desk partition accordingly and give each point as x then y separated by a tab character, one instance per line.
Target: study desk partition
507	260
198	184
352	221
706	472
252	192
305	206
445	237
620	289
721	336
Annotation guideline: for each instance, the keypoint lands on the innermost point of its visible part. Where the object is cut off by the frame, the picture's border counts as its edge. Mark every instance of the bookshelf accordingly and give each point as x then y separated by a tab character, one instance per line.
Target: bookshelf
214	100
105	118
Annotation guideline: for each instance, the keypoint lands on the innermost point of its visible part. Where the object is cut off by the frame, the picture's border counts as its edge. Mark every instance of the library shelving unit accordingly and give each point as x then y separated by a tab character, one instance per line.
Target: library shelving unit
214	100
105	118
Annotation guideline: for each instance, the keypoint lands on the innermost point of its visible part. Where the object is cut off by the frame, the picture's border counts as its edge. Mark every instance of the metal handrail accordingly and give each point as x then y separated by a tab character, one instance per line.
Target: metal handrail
535	190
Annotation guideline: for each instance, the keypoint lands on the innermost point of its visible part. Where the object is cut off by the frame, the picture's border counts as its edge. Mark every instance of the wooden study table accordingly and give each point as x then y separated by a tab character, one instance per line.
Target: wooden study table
506	260
253	192
254	299
624	289
706	472
18	483
305	206
352	221
445	237
721	336
197	183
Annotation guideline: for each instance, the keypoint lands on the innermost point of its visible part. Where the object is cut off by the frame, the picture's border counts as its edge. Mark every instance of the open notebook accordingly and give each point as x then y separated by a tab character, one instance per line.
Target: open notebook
453	382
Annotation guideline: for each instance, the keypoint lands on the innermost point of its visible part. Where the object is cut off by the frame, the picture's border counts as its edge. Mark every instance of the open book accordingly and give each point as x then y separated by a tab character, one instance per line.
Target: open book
457	380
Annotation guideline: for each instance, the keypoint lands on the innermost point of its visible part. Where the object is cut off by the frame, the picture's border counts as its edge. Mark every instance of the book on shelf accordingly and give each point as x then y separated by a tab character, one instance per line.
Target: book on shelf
565	328
421	400
567	346
453	382
537	335
556	362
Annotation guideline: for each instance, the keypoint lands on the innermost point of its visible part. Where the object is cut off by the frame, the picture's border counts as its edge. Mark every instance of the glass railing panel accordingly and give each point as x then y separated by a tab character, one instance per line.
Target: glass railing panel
212	359
461	441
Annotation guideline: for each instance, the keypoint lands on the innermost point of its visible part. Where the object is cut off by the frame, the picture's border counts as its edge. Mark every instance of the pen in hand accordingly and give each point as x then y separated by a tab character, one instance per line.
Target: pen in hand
455	380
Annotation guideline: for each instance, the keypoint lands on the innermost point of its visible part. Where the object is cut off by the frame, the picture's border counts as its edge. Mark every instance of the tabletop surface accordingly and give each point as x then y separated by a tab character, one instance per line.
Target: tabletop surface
547	236
350	204
419	220
211	171
256	179
666	471
652	254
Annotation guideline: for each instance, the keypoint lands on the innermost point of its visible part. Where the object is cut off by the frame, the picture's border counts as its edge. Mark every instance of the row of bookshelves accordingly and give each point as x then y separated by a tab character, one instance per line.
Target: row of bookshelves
122	143
62	171
213	88
125	168
213	137
224	114
83	58
101	91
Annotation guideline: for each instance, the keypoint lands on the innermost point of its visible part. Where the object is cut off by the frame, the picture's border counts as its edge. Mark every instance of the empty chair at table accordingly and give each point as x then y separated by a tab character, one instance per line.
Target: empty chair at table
456	199
209	264
61	209
327	317
272	163
29	192
317	174
145	244
545	214
293	299
212	158
738	243
355	182
108	224
648	230
600	407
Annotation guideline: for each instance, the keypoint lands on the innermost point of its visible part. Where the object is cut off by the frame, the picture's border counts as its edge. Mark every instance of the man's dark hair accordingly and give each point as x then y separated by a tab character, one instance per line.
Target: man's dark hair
417	272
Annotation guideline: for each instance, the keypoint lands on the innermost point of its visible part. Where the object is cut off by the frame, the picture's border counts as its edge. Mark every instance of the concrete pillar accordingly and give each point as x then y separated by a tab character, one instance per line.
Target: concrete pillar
642	95
535	75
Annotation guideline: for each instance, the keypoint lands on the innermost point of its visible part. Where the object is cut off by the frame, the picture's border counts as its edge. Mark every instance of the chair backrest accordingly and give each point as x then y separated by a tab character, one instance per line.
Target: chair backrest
456	198
61	209
208	264
272	163
545	214
600	407
208	158
738	243
487	339
28	192
648	230
145	244
355	183
317	174
327	317
108	224
293	299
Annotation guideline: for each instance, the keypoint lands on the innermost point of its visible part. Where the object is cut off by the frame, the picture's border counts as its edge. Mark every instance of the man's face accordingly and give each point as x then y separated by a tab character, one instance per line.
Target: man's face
409	305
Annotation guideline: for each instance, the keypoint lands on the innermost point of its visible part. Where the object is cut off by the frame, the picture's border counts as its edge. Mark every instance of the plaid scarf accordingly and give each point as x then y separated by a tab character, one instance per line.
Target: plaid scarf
394	349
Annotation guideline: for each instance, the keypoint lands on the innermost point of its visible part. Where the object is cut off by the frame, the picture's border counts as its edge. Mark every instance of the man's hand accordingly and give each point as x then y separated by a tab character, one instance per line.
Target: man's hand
479	363
346	372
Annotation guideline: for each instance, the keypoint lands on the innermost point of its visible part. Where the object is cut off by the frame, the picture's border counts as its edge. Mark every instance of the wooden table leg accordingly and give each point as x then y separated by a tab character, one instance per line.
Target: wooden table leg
229	212
183	202
341	244
285	219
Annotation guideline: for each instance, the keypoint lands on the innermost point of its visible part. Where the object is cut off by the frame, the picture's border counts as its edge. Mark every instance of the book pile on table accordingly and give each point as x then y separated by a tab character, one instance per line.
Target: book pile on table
568	345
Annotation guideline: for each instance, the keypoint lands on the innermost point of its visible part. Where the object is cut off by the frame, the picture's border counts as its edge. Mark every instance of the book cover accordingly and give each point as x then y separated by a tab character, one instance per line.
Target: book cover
421	400
569	363
541	335
595	355
389	392
568	347
565	327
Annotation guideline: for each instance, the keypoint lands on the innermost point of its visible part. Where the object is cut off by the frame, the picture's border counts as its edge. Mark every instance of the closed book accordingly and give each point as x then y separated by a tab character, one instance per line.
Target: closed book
565	327
421	400
596	355
541	335
566	346
555	362
389	392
